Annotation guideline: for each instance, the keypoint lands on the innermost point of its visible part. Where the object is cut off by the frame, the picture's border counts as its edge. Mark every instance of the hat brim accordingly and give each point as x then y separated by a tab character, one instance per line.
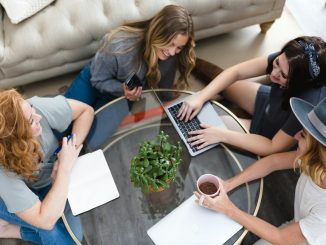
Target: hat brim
301	109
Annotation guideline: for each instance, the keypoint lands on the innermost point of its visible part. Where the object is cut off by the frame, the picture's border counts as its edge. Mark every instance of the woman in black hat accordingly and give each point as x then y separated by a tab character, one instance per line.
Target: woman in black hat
309	224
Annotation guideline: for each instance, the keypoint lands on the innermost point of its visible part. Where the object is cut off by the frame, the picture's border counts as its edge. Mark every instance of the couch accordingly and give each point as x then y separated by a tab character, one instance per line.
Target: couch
63	36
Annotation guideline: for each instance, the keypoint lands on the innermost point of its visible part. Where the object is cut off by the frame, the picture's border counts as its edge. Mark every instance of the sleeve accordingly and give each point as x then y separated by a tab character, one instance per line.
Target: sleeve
56	111
313	226
15	193
104	69
313	96
292	125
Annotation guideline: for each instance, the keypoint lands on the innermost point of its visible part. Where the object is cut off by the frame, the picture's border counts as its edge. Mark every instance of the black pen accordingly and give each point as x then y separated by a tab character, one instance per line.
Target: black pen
59	147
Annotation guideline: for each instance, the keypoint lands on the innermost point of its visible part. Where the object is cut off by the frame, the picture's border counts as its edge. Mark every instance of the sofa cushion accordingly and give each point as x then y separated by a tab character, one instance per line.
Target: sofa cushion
64	36
18	10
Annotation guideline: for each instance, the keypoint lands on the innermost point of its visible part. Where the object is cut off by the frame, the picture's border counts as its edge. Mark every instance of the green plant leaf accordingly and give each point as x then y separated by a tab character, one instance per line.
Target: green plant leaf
156	163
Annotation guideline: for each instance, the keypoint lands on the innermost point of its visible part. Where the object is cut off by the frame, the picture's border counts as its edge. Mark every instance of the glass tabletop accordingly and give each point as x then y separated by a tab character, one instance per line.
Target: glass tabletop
120	126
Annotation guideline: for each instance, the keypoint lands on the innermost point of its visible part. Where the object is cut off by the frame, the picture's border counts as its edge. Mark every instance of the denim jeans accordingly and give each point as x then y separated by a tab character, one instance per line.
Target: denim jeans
58	235
106	121
81	89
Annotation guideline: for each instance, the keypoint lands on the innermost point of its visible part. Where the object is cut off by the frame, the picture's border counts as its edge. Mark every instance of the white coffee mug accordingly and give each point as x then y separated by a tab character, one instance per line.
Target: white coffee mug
210	184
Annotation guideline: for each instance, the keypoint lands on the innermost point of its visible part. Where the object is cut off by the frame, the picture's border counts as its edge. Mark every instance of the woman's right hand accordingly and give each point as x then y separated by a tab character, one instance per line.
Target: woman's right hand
134	94
190	107
68	154
220	203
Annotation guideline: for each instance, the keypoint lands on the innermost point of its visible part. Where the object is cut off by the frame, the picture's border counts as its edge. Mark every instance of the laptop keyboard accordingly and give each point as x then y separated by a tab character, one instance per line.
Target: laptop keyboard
184	127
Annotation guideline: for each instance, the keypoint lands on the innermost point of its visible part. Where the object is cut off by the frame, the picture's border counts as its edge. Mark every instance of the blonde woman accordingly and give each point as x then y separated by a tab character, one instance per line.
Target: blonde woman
34	179
309	224
153	49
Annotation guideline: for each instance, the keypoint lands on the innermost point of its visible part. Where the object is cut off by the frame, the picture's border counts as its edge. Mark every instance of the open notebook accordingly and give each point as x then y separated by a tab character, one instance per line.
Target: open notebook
91	183
193	225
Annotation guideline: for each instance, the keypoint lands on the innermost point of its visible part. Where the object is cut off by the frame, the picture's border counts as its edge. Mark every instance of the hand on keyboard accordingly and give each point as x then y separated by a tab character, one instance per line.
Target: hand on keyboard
185	127
190	108
205	136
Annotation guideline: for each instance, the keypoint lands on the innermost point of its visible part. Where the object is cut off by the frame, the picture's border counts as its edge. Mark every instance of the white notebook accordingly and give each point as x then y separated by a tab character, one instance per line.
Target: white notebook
91	183
193	225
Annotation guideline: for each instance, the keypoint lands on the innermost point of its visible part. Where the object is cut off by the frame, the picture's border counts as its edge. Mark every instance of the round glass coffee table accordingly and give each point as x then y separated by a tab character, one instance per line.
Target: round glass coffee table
126	220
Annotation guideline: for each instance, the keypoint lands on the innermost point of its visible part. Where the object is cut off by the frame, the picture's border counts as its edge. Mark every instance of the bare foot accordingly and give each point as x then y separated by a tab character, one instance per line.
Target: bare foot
8	230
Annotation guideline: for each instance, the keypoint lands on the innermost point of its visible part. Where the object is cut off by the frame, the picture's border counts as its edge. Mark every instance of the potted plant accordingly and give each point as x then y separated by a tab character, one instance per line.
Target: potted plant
156	164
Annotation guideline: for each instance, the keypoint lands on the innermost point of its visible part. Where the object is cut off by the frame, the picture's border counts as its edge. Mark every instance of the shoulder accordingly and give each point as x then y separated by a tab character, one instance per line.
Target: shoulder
15	193
55	109
48	102
48	105
313	95
119	41
123	48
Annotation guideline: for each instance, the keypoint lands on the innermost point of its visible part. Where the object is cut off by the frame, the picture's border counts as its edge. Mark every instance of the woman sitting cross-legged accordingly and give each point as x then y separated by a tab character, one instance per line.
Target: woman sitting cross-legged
33	180
309	224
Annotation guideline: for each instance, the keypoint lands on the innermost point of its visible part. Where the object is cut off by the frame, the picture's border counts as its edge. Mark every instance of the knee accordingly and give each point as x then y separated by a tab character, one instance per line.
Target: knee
57	235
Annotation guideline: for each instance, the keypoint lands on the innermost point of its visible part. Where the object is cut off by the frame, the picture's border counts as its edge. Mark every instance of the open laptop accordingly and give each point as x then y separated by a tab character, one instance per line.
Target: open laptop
207	115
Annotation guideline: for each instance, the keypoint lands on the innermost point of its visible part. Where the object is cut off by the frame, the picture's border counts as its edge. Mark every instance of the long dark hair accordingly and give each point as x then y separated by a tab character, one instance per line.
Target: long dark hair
300	77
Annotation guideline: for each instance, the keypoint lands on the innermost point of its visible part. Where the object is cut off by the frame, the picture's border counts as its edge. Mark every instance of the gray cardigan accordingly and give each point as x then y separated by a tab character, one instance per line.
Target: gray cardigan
109	70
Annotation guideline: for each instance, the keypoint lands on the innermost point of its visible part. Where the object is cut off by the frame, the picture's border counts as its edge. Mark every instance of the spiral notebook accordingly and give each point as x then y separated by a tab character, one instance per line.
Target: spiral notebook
192	224
91	183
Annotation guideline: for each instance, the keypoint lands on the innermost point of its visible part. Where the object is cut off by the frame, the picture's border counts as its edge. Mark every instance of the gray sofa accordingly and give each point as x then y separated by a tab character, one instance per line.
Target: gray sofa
62	37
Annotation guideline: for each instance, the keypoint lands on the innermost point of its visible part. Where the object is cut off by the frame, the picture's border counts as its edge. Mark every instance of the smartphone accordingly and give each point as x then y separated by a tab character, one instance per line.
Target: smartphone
133	81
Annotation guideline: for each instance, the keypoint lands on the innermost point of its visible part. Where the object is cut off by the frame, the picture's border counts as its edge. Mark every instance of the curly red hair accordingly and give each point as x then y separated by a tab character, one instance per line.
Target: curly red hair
19	149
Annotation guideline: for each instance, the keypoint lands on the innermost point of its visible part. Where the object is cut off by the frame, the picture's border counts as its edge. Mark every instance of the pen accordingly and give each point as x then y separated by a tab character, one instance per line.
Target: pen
59	147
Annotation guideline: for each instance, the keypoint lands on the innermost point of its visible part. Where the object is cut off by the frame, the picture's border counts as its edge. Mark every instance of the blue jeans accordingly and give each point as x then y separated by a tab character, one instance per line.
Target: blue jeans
106	121
81	89
58	235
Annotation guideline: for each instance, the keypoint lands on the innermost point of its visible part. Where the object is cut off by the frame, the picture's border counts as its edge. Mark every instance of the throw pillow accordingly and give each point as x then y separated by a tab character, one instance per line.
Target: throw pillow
18	10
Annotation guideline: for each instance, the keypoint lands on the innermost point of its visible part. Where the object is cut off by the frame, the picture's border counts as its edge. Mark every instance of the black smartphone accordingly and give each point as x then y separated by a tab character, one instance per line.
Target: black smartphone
133	81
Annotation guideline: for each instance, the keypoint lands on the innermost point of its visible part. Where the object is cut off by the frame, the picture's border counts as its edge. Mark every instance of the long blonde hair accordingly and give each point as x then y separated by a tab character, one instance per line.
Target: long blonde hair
156	32
313	160
19	149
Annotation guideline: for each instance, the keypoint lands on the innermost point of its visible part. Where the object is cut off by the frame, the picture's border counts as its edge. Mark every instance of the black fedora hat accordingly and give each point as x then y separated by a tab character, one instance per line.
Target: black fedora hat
312	118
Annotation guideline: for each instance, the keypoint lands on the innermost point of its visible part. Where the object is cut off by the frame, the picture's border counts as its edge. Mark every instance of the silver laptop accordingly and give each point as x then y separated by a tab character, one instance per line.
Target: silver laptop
207	115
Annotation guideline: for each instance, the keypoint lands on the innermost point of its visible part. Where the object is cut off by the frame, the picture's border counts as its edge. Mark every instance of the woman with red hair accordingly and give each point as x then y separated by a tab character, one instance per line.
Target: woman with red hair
34	179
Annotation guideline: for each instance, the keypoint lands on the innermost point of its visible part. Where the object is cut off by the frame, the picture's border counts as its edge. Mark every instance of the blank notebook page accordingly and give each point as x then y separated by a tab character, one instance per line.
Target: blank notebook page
91	183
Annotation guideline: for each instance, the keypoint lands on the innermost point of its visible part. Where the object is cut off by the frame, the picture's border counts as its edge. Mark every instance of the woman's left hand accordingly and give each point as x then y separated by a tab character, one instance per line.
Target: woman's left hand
134	94
206	136
220	203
